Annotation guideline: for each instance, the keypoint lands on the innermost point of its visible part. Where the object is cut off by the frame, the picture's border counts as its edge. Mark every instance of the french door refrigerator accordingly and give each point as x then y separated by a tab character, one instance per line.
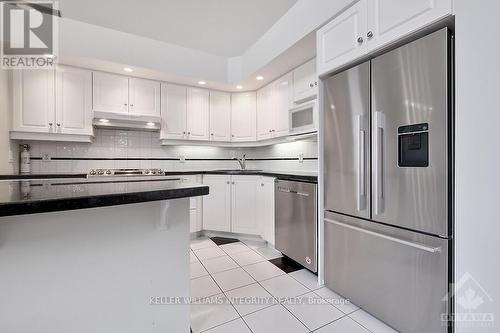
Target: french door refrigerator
388	167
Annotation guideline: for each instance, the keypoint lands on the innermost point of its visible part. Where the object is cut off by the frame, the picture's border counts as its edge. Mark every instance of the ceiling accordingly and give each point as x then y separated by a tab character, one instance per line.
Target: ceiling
221	27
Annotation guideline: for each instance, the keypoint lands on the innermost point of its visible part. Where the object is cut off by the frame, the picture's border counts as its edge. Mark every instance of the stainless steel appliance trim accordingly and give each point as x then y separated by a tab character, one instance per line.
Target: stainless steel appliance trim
394	239
378	164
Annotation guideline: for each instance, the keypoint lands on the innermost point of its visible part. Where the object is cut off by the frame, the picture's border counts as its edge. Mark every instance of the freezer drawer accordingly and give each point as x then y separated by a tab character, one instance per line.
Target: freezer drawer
398	276
296	221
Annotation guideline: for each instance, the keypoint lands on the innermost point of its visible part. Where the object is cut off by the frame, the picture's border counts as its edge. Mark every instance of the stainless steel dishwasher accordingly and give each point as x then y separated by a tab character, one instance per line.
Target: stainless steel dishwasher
296	221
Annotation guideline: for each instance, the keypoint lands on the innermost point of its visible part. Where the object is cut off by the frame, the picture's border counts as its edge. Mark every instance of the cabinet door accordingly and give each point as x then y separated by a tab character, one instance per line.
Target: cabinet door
305	82
265	204
283	93
244	205
73	101
220	116
110	93
244	117
198	110
173	112
144	97
34	101
389	20
217	204
342	40
265	110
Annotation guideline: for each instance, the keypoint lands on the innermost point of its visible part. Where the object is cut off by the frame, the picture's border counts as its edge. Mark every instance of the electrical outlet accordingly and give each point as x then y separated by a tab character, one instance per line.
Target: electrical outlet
182	159
301	158
46	157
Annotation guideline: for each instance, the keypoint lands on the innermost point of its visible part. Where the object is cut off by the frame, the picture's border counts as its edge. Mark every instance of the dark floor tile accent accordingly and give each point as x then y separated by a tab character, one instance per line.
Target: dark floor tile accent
224	240
286	264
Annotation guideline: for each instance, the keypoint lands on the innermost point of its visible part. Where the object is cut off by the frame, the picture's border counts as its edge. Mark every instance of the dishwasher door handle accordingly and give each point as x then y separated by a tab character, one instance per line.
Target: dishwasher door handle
288	190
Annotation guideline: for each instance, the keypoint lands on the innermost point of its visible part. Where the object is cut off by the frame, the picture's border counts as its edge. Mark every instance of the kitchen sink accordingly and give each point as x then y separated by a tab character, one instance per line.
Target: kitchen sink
239	171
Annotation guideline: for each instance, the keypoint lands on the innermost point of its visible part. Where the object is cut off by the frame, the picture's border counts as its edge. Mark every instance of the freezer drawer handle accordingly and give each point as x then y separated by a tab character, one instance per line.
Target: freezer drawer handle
390	238
288	190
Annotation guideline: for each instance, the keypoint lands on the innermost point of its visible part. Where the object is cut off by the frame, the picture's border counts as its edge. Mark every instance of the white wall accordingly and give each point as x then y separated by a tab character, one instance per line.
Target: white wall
6	146
478	152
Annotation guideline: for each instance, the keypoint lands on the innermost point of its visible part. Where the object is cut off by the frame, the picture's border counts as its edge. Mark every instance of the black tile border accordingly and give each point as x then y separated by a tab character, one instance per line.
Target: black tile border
224	240
286	264
38	158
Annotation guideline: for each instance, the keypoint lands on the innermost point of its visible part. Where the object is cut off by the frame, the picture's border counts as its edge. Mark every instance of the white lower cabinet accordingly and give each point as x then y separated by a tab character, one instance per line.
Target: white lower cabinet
217	204
195	204
265	208
240	204
244	205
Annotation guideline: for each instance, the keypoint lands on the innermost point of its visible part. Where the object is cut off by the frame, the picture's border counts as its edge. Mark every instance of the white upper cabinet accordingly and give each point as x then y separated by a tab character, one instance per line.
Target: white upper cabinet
243	117
244	205
33	101
265	115
389	20
283	95
305	82
173	112
342	39
197	117
110	93
369	25
73	101
220	116
144	97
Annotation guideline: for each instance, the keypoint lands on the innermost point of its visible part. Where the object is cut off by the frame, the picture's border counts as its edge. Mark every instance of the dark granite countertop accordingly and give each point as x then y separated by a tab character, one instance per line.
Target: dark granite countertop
311	177
51	195
43	176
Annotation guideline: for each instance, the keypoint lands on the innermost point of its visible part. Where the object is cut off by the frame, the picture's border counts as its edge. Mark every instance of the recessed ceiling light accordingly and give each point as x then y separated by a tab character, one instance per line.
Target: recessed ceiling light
202	83
239	87
150	124
128	69
104	120
259	78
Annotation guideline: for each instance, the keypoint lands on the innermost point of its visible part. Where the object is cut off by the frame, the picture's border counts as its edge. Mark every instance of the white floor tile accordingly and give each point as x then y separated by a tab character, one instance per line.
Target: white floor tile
219	264
235	326
205	316
263	270
284	286
338	301
343	325
371	323
307	278
211	252
232	279
197	270
234	248
202	243
274	319
313	311
269	253
250	298
255	244
247	258
204	287
192	257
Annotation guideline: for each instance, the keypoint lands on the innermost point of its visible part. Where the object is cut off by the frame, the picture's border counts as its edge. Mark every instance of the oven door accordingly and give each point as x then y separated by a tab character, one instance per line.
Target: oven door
303	118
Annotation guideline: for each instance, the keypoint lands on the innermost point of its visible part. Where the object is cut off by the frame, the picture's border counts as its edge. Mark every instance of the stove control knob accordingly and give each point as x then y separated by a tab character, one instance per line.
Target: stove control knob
108	172
153	172
93	172
147	172
100	172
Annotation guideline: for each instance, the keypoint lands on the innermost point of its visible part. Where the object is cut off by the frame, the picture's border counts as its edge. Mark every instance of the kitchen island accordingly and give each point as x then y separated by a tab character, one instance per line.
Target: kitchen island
80	255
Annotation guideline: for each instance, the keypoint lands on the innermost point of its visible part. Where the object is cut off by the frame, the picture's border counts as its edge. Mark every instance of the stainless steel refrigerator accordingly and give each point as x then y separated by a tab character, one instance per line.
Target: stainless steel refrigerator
388	156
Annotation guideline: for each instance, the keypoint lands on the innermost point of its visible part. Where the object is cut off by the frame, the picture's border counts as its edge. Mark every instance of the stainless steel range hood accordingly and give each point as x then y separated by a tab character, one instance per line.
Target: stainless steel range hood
126	121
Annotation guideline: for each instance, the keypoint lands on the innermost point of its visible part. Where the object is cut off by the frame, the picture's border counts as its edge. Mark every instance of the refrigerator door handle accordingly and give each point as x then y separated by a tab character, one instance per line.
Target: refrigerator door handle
361	164
379	161
418	246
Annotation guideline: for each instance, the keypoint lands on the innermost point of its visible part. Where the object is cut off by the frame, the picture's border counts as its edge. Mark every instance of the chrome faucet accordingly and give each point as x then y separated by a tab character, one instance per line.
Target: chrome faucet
242	161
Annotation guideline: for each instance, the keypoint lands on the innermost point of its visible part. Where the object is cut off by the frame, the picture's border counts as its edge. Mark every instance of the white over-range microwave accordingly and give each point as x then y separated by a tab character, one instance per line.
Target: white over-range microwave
304	118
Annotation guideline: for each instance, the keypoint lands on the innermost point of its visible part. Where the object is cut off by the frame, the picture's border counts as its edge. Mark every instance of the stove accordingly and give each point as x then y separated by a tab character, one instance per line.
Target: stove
126	173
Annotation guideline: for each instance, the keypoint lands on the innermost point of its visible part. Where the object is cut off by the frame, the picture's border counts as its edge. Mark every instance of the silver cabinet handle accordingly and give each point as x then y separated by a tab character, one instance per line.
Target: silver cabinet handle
58	125
262	184
50	124
361	164
184	133
369	34
360	40
389	238
379	162
228	182
125	104
232	183
311	85
189	133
